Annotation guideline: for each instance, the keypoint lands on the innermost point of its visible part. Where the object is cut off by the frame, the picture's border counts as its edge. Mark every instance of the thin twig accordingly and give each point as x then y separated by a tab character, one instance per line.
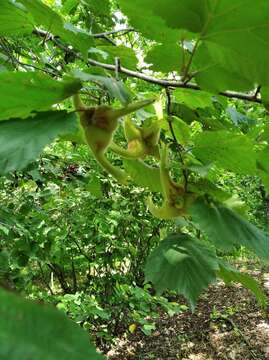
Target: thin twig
36	68
179	146
109	40
117	67
257	92
44	279
186	77
81	250
168	96
74	276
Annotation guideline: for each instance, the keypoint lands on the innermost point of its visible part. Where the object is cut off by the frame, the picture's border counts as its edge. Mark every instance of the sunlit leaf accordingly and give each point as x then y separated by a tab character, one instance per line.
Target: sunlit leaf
14	20
143	174
234	152
193	99
126	55
172	55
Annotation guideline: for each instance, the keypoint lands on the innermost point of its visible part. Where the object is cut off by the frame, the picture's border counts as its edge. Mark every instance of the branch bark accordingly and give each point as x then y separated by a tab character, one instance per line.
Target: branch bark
114	32
172	84
252	97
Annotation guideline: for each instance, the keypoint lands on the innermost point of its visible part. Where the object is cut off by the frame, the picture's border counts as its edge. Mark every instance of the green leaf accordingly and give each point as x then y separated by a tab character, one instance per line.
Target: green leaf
183	264
265	95
205	186
139	12
4	257
265	179
21	141
187	14
148	328
264	132
14	20
240	31
100	10
210	123
235	42
54	23
232	49
42	13
94	186
233	39
218	69
262	159
184	112
263	166
21	93
165	58
229	274
234	152
98	6
69	6
181	130
143	174
77	136
225	228
32	331
126	55
193	99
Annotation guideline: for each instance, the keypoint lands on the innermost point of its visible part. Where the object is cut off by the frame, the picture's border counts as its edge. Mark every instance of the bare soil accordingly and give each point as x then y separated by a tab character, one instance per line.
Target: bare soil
227	324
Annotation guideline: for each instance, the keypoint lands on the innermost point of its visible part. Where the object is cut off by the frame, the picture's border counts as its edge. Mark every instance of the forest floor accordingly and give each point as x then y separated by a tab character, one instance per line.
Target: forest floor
227	324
